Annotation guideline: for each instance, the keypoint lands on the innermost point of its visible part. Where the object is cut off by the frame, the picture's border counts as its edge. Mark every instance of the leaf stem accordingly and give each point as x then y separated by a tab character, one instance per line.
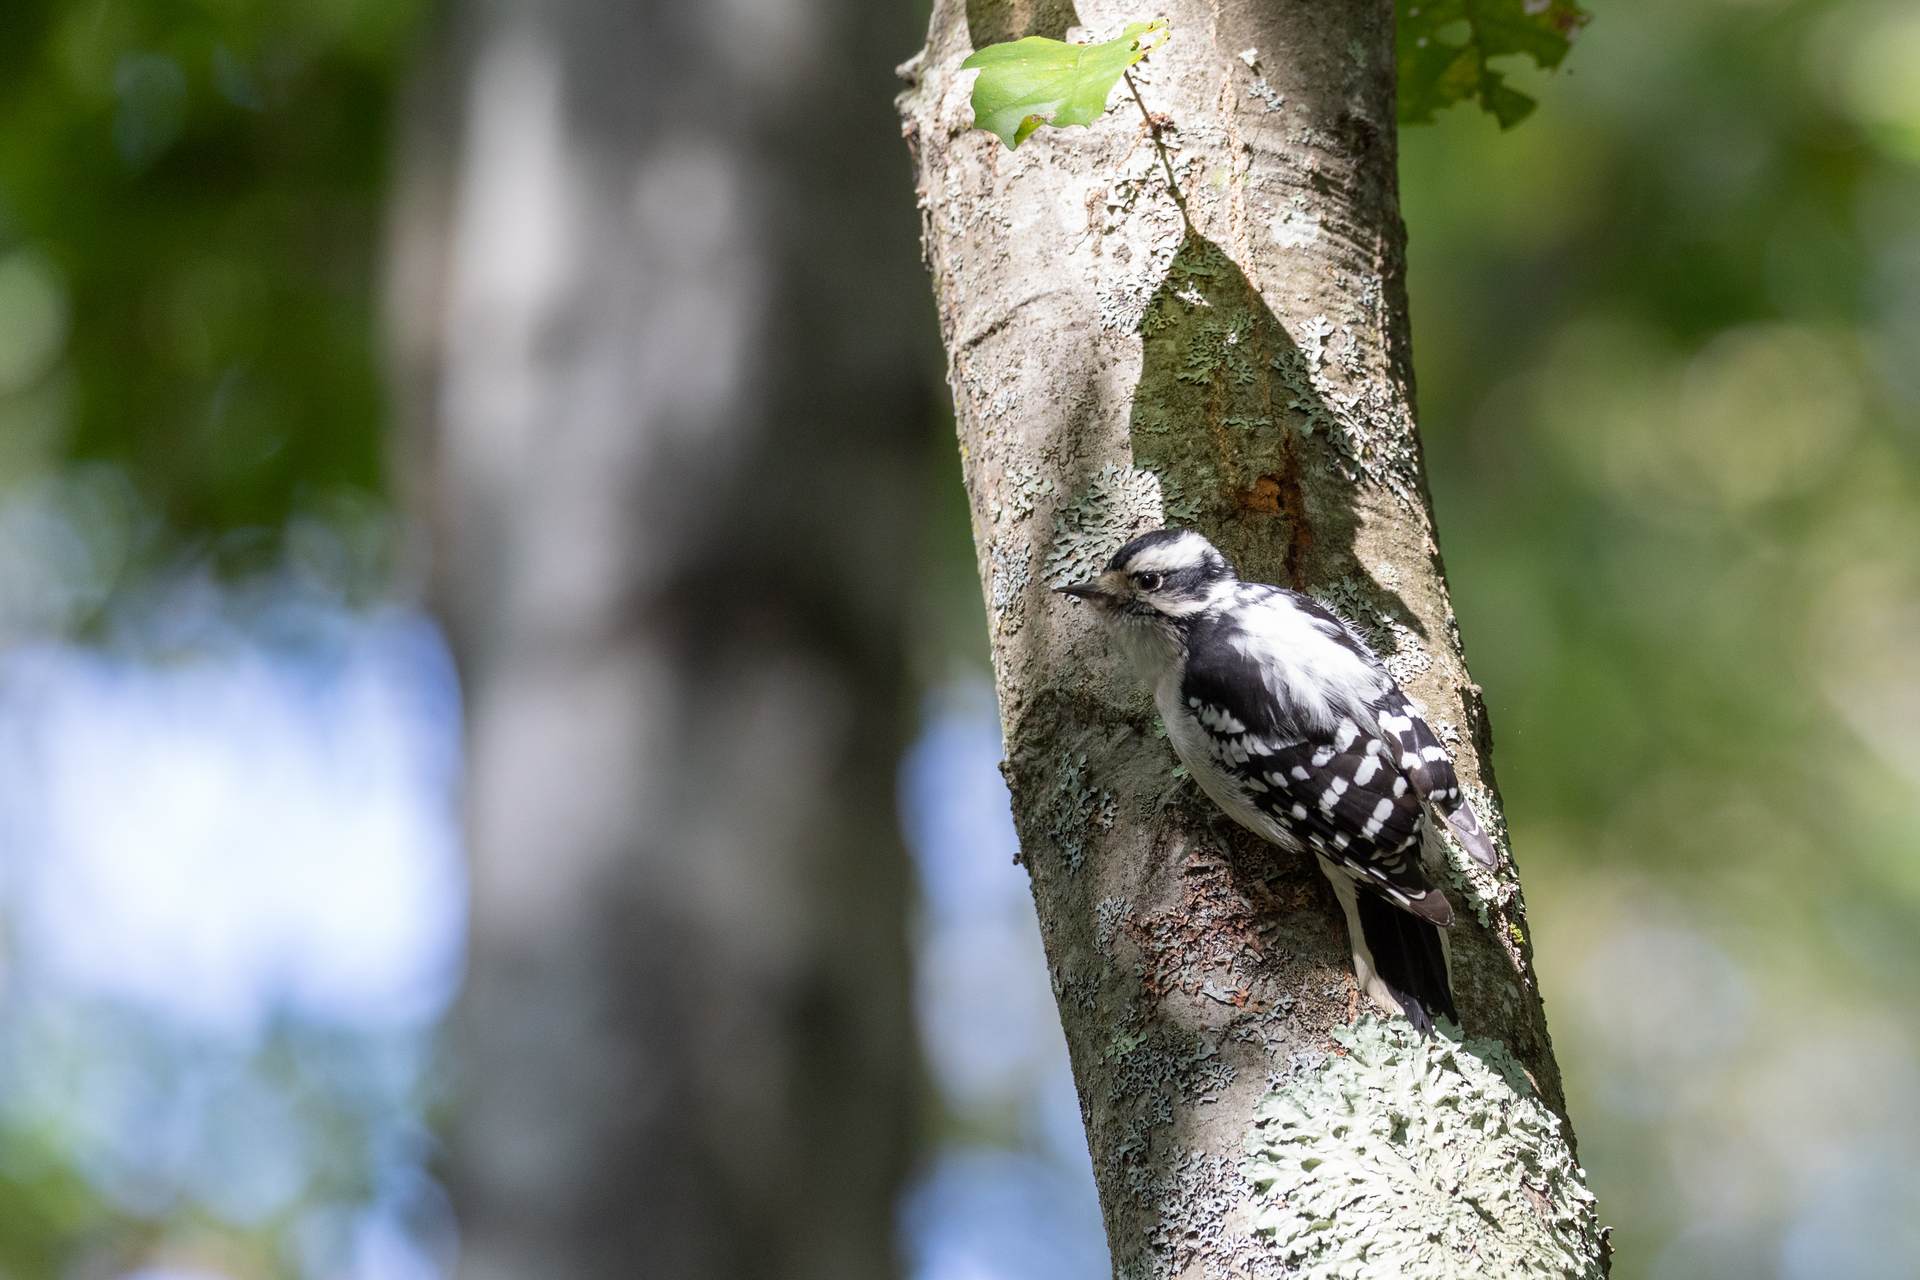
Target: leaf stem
1153	126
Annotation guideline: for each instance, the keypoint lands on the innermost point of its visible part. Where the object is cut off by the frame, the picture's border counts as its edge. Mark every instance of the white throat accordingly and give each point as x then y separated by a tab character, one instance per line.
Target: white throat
1152	645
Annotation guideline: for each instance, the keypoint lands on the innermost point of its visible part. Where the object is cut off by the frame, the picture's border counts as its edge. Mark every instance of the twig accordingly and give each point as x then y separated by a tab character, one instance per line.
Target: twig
1173	184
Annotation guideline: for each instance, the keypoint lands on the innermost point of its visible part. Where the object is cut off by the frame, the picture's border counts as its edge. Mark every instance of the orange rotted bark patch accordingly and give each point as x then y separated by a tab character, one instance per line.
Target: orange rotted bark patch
1280	494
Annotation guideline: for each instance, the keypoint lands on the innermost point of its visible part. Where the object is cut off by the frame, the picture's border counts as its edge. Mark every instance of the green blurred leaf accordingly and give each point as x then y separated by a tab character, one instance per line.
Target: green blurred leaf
1024	84
190	203
1444	46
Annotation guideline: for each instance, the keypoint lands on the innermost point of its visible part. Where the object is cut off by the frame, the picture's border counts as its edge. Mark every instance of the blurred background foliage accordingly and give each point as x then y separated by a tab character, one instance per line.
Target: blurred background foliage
1667	336
191	194
190	200
1668	343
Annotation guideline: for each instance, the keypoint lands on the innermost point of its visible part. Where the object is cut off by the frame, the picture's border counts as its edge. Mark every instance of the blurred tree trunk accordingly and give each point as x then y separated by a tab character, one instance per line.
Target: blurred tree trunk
1247	374
657	323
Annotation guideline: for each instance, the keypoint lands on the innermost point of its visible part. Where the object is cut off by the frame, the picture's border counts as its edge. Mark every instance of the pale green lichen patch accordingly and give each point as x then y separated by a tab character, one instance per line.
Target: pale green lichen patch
1488	890
1195	1200
1367	424
1119	503
1012	572
1181	507
1080	990
1413	1155
1484	888
1141	230
1152	1068
1217	346
985	392
1109	915
1397	645
1078	808
1026	484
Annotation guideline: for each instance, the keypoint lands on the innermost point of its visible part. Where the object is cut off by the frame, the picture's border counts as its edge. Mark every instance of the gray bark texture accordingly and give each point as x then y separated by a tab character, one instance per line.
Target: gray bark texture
661	345
1247	374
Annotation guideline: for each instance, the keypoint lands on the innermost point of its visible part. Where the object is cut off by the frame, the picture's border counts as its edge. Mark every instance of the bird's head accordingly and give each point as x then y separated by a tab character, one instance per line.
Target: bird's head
1159	577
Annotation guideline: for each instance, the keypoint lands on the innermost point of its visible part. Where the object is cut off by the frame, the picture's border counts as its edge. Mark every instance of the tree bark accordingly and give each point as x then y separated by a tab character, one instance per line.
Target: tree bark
1247	373
659	356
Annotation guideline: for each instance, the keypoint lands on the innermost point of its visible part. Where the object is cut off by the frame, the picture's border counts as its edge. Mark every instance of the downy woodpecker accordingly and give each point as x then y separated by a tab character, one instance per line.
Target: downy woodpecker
1290	723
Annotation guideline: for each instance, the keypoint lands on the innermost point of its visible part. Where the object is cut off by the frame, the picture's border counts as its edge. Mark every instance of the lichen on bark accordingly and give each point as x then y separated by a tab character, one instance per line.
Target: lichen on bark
1412	1155
1235	360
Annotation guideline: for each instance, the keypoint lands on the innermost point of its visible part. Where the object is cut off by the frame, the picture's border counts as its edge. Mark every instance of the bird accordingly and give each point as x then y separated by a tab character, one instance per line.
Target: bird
1291	724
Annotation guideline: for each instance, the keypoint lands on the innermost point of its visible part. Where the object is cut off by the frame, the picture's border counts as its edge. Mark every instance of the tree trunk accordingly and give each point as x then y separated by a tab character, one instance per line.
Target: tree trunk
1246	374
658	331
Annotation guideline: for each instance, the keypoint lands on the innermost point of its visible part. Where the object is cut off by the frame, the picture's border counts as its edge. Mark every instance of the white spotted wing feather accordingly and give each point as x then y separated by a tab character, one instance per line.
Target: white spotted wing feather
1293	727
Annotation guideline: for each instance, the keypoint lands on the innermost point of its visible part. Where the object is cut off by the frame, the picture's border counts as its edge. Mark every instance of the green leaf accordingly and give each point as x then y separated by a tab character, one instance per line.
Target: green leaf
1024	84
1444	46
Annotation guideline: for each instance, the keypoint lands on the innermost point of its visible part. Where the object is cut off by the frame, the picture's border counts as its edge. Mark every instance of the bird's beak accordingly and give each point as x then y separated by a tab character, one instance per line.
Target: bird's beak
1102	590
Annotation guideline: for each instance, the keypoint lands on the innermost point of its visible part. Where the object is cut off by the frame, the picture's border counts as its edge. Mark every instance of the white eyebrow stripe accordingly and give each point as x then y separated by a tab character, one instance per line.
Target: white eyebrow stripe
1186	551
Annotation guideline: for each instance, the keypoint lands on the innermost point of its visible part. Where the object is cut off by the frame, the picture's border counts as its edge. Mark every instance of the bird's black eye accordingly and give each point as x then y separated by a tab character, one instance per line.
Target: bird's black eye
1148	581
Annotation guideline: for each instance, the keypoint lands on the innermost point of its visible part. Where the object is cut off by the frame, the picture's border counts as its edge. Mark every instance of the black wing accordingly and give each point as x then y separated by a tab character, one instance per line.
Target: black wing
1343	793
1428	767
1430	771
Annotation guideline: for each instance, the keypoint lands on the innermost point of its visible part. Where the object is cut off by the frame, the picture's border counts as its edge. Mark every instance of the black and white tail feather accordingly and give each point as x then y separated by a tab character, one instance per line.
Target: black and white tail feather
1290	723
